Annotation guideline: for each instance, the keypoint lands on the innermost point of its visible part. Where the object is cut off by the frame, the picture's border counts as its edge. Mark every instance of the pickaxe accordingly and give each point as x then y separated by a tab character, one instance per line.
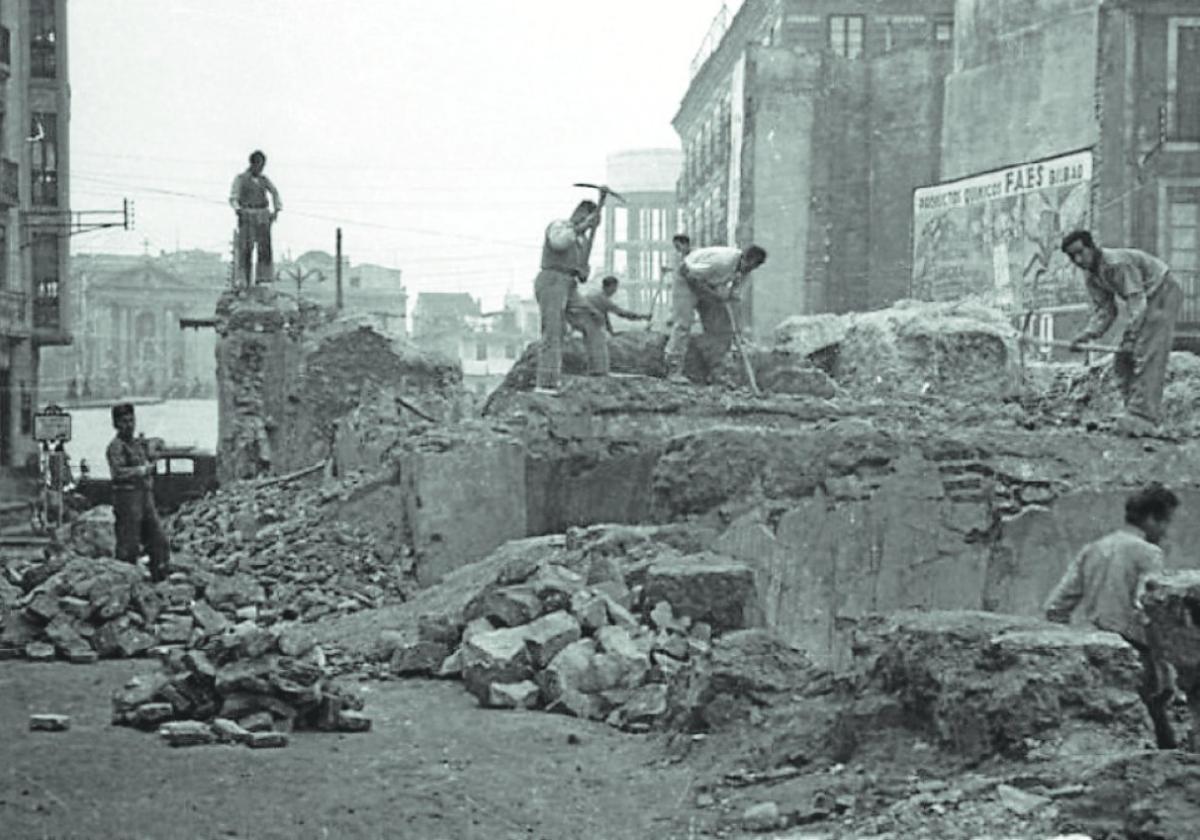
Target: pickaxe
605	192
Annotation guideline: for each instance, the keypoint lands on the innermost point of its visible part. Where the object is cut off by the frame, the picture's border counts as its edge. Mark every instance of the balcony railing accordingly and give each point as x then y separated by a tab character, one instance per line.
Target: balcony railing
1190	281
12	313
10	185
46	313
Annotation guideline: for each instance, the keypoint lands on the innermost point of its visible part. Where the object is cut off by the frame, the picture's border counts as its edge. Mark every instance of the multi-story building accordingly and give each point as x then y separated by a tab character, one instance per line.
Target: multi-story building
637	234
1084	113
805	127
35	217
372	292
486	344
126	313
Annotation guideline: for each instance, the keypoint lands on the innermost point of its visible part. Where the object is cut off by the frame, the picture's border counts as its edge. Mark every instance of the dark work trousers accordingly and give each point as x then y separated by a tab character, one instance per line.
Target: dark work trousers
138	525
254	230
1143	373
688	301
1156	692
560	303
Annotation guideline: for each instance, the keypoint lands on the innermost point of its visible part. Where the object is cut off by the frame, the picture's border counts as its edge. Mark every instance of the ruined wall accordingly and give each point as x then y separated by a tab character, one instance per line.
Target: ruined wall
1023	85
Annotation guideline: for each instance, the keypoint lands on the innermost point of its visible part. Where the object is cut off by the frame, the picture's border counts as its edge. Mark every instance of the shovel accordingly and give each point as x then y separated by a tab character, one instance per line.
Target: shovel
737	342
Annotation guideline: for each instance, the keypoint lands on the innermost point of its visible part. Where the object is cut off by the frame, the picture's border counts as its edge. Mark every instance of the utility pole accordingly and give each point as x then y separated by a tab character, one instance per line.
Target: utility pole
339	270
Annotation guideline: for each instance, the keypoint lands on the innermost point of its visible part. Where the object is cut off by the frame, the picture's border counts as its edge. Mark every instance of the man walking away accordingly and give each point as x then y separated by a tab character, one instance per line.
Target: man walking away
565	251
707	281
1107	580
602	301
1154	297
248	197
130	464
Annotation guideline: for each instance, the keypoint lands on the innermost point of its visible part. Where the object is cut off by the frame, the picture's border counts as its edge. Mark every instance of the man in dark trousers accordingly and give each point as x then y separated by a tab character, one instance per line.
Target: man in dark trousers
131	466
1154	298
248	197
1107	580
602	301
565	251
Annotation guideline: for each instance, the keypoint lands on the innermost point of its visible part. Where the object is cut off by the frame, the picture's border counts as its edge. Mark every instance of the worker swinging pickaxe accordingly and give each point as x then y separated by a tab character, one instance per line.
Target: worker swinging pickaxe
605	192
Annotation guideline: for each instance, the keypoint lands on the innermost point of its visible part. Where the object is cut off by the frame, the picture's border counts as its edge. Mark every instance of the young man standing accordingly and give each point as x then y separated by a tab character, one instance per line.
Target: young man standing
131	466
1154	298
602	301
1107	580
708	281
565	251
248	197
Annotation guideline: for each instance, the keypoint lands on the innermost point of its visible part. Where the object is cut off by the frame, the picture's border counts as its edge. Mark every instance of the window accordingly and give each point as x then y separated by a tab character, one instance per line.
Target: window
1183	230
45	280
481	351
43	139
943	30
846	35
43	40
1183	78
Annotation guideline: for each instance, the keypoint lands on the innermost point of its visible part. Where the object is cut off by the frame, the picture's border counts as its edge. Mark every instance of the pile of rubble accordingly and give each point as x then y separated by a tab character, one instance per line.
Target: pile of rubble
263	553
245	684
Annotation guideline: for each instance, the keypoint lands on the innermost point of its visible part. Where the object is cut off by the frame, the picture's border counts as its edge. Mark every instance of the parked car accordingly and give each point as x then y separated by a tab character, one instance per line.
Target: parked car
181	474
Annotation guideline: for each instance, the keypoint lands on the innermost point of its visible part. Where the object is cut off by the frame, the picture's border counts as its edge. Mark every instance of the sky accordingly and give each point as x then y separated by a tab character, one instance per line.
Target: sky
441	135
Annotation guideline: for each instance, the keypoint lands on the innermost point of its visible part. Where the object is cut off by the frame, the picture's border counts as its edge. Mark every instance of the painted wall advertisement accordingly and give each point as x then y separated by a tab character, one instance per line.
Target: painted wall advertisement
997	235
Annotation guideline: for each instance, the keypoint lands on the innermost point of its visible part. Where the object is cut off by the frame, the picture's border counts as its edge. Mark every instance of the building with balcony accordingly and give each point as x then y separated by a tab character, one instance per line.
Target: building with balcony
637	234
34	212
805	127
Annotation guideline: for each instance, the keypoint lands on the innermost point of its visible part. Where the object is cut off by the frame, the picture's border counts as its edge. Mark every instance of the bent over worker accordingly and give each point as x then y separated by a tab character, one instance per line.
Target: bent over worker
602	301
130	464
707	281
1154	297
565	251
1107	580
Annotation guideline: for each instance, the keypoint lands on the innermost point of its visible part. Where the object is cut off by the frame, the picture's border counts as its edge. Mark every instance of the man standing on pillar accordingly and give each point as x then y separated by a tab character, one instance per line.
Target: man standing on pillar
248	197
131	466
565	253
1154	297
708	281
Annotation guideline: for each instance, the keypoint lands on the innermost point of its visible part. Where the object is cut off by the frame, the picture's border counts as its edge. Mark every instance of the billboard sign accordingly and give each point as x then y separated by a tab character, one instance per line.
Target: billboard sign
997	234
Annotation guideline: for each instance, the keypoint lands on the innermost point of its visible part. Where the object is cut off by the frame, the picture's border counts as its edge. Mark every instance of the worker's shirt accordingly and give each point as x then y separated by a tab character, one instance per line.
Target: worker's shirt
714	270
1105	580
565	250
1125	273
124	457
249	192
605	305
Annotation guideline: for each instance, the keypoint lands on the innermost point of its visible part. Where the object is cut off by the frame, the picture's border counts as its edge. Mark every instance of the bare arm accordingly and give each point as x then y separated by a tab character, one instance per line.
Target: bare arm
118	469
275	202
234	191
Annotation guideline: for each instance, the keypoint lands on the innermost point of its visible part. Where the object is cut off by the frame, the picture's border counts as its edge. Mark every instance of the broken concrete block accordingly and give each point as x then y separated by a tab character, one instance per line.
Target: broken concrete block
419	658
44	607
62	634
120	637
549	634
522	695
49	723
83	657
173	628
351	721
438	628
109	602
554	586
208	618
498	656
186	733
245	676
249	613
617	613
451	667
296	640
475	627
79	608
150	715
764	816
508	607
234	591
257	722
590	609
39	651
267	740
718	592
645	705
677	647
571	679
229	732
141	689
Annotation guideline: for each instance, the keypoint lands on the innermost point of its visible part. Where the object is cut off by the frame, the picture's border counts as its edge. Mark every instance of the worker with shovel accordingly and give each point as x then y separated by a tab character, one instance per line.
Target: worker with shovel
708	282
1154	297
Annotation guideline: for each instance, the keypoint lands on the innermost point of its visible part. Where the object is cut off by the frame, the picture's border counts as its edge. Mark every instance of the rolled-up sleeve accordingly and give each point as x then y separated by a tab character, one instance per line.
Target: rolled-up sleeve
560	235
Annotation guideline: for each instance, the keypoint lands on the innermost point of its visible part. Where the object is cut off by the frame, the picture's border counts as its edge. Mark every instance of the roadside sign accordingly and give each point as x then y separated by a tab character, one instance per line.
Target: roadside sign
51	425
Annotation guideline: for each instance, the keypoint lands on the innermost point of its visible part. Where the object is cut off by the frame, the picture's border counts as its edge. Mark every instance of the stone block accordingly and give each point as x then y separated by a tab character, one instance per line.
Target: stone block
475	627
229	732
173	628
267	740
617	613
572	681
522	695
499	656
590	609
186	733
423	658
438	628
234	591
505	606
111	600
39	651
150	715
44	607
720	593
549	634
296	640
555	585
49	723
451	667
251	676
257	722
646	705
207	618
121	637
83	657
618	643
352	721
139	690
62	634
79	608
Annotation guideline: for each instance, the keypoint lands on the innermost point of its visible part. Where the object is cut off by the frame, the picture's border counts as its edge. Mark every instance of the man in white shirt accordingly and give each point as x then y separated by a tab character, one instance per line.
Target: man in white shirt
1154	298
707	281
248	197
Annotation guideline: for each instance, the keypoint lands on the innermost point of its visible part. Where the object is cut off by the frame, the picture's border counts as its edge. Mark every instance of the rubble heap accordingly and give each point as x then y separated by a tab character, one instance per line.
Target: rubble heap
243	681
265	553
1172	604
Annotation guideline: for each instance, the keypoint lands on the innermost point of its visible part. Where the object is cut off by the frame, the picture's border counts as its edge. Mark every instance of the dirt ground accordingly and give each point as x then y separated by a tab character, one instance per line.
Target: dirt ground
435	766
